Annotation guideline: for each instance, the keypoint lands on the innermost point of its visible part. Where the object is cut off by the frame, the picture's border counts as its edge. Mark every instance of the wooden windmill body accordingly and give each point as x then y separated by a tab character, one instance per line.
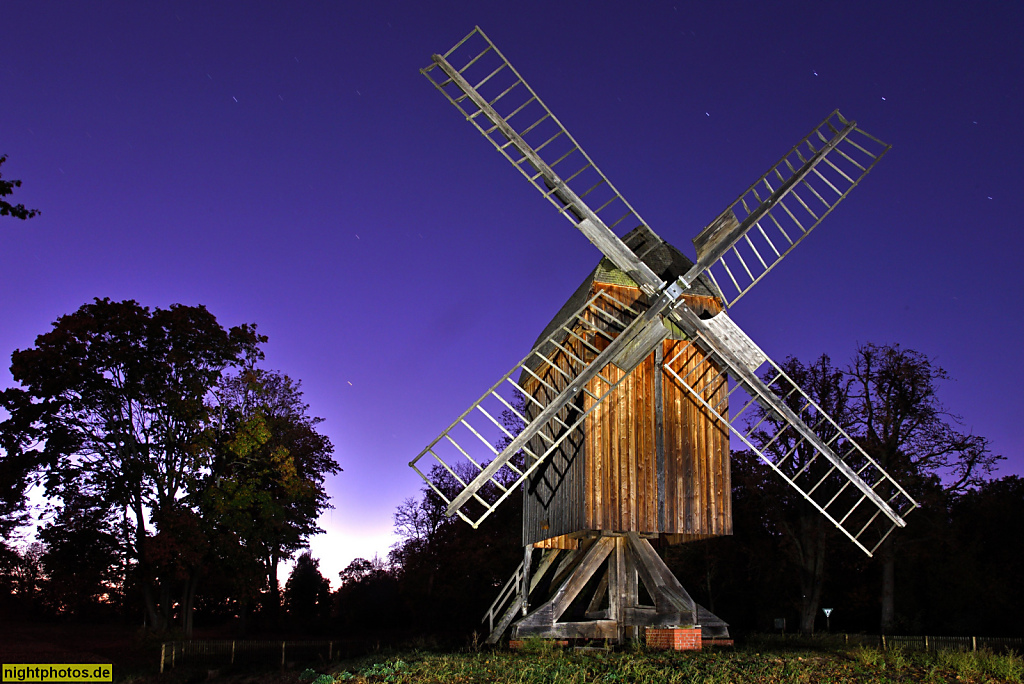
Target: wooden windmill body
650	459
627	403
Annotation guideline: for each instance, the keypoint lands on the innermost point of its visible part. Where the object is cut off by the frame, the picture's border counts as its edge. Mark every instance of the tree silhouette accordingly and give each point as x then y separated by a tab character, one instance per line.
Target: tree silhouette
901	423
307	594
7	188
114	404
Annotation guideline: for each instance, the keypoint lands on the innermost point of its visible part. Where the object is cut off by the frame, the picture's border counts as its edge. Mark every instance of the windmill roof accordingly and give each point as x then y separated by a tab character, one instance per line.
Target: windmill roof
661	257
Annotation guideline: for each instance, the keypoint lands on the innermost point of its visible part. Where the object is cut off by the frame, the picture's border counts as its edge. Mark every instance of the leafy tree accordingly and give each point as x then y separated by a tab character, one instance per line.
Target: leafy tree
987	561
29	576
368	598
267	476
307	594
7	188
114	404
83	561
901	423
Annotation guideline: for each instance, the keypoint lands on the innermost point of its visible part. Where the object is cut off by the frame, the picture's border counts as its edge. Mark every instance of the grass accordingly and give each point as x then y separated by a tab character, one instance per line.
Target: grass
540	665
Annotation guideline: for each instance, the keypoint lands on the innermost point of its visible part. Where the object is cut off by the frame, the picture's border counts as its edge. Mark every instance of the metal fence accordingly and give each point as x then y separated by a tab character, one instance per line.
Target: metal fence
219	653
951	643
226	652
905	642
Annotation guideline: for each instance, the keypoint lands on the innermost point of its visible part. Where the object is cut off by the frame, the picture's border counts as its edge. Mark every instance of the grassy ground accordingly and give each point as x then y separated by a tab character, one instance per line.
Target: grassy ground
541	664
765	659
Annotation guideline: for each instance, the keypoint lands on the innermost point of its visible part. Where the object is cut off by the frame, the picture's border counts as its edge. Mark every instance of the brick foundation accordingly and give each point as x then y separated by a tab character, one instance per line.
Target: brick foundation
675	638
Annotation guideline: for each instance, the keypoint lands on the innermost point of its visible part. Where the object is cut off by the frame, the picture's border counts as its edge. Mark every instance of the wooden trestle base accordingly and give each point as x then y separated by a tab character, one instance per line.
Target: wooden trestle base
612	567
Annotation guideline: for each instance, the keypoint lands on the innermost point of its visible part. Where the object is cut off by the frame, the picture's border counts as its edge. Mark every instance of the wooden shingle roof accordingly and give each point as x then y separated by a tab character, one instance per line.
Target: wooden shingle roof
662	258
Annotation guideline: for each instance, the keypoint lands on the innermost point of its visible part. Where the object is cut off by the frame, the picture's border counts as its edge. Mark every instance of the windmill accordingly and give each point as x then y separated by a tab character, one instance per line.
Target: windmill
615	428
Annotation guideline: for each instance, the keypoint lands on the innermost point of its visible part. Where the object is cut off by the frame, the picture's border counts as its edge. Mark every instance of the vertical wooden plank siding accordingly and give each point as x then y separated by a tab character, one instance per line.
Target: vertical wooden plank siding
605	477
698	486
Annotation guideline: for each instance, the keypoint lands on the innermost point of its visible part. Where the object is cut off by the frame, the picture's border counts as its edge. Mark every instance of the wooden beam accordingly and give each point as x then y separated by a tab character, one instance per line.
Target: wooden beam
668	594
524	589
545	615
594	629
546	561
594	607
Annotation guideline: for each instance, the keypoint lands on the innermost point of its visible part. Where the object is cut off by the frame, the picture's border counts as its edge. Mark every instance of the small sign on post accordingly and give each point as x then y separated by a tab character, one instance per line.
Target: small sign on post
780	624
828	613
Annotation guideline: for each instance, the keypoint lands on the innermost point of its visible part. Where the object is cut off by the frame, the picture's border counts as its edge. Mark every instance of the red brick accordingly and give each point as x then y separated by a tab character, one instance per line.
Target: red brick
675	638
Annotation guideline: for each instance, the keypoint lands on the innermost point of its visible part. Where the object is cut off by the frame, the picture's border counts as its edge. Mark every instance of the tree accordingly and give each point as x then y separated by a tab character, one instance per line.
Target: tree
7	188
29	576
83	561
988	558
368	598
267	477
114	404
307	594
901	423
805	532
445	567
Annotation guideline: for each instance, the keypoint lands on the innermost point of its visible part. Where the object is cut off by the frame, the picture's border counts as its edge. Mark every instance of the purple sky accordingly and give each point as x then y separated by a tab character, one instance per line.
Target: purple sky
286	164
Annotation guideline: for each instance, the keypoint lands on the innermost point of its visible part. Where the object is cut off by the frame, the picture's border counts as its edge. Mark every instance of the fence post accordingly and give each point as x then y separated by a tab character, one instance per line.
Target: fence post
282	654
883	642
174	650
330	651
974	643
163	650
232	651
925	643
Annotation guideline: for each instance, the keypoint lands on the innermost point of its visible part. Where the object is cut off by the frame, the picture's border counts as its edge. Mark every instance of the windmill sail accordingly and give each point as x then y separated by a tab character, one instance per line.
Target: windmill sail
787	430
490	93
784	205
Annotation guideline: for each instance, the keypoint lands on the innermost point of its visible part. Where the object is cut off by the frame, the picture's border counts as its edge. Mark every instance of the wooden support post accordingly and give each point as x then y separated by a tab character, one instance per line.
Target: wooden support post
632	590
282	654
621	587
330	651
163	651
614	607
525	586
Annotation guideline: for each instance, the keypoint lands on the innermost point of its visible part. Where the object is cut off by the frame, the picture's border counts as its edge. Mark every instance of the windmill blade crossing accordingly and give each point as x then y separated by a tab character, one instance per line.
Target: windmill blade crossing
783	206
787	430
480	459
492	96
